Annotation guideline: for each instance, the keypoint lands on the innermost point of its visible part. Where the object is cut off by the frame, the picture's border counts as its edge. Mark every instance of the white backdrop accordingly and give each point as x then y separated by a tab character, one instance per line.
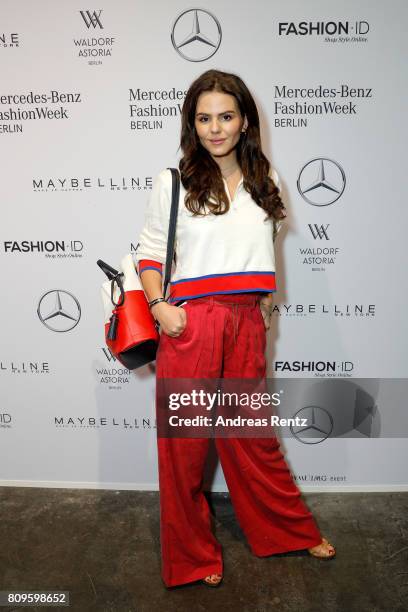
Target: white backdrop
89	114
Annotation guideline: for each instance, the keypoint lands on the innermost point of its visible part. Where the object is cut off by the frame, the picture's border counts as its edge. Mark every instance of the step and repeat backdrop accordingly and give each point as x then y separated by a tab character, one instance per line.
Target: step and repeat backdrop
90	103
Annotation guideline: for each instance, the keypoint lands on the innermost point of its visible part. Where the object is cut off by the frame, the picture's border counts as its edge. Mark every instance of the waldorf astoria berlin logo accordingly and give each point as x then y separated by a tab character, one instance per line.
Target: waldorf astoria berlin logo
92	19
196	35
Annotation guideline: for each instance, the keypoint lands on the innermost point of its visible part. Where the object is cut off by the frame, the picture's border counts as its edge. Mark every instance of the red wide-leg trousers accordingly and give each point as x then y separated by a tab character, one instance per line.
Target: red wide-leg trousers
224	337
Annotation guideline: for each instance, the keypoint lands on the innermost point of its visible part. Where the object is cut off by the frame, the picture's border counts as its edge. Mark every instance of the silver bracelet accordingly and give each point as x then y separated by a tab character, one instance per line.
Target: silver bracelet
156	301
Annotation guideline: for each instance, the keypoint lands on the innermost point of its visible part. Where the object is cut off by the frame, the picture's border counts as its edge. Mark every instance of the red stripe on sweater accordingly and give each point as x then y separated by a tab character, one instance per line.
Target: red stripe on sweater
149	264
223	283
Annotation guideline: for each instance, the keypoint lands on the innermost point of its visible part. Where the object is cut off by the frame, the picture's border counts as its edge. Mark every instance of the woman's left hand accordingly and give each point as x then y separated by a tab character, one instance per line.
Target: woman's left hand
266	316
266	305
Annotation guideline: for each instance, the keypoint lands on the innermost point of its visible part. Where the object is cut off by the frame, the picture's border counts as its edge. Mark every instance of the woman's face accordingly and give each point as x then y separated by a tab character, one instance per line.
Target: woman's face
218	122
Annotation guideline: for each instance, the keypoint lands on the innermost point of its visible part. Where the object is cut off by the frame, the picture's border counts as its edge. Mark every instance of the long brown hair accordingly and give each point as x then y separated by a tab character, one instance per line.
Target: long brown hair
201	175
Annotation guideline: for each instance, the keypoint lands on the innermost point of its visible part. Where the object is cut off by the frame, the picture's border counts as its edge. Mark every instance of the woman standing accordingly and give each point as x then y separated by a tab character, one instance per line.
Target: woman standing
229	214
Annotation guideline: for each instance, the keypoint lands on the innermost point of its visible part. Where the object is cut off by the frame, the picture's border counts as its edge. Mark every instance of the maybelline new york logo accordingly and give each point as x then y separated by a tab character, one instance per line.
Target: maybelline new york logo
324	309
24	367
196	34
88	422
86	183
9	39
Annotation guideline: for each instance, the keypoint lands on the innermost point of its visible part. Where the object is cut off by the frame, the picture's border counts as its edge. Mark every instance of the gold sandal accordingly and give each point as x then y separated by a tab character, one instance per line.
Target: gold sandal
329	555
209	582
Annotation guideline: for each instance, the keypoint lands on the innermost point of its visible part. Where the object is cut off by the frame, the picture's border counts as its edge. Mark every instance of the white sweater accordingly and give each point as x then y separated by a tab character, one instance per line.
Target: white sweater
229	253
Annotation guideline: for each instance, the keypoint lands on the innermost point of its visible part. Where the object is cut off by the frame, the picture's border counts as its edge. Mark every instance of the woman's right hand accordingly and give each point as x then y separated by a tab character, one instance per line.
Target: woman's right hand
172	319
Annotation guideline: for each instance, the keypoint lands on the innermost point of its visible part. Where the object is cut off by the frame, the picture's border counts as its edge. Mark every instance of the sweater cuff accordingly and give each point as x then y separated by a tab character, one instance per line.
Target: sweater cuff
150	264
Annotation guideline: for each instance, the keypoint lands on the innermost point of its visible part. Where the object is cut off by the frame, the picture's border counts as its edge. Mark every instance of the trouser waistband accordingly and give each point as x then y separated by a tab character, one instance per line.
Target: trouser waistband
245	299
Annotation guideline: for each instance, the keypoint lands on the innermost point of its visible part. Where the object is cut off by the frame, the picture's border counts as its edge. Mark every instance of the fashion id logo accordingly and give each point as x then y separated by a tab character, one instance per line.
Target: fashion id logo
49	248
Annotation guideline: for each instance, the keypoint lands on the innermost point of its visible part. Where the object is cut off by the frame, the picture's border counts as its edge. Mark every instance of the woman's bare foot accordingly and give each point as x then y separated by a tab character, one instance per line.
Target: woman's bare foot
213	579
324	550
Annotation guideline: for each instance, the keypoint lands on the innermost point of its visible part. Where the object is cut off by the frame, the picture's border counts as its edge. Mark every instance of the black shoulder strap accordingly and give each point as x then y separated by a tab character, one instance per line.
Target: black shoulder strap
175	195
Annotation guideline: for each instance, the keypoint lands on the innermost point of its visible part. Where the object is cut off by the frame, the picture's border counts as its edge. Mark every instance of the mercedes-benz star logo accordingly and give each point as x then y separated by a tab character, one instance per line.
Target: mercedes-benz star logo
321	181
318	428
50	308
196	35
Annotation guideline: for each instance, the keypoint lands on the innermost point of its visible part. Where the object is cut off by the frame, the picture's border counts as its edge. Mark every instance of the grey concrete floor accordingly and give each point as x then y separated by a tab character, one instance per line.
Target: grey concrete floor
103	547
